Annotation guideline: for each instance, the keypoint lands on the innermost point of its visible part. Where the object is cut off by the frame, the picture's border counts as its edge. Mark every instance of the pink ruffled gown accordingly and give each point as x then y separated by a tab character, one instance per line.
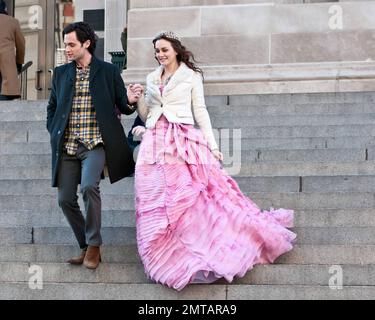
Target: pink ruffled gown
194	225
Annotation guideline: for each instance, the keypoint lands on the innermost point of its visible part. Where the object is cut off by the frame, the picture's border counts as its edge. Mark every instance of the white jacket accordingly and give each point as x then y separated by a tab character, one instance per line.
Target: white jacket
182	101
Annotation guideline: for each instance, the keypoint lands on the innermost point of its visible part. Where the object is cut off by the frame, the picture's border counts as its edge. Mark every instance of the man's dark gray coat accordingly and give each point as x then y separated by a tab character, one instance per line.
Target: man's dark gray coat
108	92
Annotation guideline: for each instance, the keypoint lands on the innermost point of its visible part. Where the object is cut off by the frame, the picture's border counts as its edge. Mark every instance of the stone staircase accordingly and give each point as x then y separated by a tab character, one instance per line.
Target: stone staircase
314	153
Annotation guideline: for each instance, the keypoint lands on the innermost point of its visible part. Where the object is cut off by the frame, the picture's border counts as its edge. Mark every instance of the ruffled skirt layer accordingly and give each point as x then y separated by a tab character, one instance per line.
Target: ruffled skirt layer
194	225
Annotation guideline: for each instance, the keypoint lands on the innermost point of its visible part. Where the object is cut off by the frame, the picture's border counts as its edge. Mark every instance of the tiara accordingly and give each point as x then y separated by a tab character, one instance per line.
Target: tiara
167	34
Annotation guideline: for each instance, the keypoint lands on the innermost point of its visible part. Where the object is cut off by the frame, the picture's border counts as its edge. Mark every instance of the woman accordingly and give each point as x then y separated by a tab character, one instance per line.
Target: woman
194	225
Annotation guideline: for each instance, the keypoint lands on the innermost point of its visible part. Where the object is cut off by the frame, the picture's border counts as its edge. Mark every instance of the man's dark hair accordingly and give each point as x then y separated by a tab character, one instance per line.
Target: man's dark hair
3	7
84	32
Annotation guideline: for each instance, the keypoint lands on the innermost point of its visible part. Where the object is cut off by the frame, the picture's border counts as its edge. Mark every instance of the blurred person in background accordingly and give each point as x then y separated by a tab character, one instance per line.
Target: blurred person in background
12	54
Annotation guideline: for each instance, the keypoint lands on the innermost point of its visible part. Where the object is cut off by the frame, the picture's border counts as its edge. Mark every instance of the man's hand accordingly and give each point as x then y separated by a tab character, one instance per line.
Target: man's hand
135	91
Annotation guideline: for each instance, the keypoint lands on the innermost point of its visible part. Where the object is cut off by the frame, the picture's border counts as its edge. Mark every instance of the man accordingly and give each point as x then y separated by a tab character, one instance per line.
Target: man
86	134
12	54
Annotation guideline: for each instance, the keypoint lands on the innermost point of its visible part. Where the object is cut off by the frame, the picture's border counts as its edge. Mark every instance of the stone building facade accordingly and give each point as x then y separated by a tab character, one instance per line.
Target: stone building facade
244	46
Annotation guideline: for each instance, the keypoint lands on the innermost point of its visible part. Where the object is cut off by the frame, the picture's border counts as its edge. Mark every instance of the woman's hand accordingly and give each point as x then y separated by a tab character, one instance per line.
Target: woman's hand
218	155
139	131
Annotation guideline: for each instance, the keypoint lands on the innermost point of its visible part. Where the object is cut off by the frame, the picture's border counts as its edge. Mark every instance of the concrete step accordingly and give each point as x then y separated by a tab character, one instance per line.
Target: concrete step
126	218
131	273
22	105
290	149
20	142
13	135
324	200
294	292
40	125
267	103
339	183
305	155
329	254
300	98
335	218
298	131
41	148
335	235
23	160
24	147
22	126
282	99
28	218
16	235
371	153
25	173
64	235
291	109
223	121
57	253
311	155
287	274
243	169
37	113
127	235
126	186
246	145
296	201
103	291
240	141
358	183
291	120
301	254
307	169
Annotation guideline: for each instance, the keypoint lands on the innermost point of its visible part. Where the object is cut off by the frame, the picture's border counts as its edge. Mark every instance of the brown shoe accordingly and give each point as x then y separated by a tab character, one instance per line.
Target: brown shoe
78	260
92	257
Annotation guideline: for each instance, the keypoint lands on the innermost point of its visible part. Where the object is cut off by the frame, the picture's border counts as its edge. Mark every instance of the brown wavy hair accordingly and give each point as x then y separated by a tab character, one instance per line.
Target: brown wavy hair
183	55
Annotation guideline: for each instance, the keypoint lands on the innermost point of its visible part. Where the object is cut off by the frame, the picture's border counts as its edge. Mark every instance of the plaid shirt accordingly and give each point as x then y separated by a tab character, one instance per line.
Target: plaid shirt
83	126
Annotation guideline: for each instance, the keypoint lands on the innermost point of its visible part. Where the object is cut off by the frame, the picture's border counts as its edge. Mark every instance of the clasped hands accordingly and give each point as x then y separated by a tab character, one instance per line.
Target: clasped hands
135	91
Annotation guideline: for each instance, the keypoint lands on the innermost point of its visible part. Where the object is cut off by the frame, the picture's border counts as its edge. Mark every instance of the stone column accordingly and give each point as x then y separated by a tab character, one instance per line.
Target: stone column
115	21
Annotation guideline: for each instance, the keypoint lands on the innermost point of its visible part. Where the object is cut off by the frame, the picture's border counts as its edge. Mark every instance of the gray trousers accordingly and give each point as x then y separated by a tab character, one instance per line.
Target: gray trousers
86	166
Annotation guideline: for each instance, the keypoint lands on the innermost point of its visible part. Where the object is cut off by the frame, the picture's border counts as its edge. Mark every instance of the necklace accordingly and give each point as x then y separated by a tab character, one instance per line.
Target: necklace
166	77
165	82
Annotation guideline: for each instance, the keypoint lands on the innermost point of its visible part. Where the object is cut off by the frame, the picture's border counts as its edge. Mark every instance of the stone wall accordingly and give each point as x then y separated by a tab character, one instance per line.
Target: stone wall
282	46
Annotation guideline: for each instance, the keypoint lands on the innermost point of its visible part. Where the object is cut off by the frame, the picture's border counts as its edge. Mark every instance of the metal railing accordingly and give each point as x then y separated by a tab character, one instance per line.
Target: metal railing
23	75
